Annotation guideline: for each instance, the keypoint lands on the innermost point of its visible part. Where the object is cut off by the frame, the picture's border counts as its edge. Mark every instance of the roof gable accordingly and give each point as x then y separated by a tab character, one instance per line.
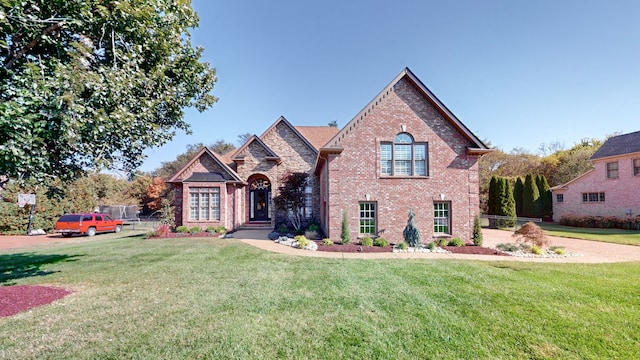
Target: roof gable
479	148
619	145
282	120
238	155
226	173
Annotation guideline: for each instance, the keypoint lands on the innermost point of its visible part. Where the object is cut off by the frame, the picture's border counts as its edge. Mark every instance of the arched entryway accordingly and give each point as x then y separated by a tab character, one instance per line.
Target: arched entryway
259	199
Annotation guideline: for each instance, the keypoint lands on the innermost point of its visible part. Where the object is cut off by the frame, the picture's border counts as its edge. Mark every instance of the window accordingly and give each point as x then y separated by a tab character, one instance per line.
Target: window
308	201
636	167
559	198
403	157
441	218
368	218
593	197
612	170
204	203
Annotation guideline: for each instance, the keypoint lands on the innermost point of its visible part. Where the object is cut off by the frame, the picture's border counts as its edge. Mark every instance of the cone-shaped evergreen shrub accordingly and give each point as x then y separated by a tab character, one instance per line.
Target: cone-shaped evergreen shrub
477	231
518	191
344	235
530	198
411	233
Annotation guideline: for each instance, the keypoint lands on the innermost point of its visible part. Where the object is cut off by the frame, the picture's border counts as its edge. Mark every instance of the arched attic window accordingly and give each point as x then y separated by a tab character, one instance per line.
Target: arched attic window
403	157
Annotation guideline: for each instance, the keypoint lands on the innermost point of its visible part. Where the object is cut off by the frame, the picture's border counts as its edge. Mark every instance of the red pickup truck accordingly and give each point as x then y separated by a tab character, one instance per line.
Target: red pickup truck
89	224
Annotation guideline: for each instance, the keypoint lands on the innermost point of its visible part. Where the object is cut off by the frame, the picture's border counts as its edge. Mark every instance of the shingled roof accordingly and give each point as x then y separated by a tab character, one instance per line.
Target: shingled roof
619	145
318	135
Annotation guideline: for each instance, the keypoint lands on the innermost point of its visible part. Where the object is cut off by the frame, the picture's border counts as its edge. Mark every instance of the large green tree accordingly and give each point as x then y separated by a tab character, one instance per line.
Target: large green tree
93	83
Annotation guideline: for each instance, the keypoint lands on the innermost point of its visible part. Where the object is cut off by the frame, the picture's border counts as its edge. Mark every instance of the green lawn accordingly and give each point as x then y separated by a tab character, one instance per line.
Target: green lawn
221	299
617	236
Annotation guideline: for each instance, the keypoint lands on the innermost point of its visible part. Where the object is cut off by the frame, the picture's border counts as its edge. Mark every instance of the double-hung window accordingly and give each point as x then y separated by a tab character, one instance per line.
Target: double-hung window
636	167
204	203
403	157
367	218
612	170
441	218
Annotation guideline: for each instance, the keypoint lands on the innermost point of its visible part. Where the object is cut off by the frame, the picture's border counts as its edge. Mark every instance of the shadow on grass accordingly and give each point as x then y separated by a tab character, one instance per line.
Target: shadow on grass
24	265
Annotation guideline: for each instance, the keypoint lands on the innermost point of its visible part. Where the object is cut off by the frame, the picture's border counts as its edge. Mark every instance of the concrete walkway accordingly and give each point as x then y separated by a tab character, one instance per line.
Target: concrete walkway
591	251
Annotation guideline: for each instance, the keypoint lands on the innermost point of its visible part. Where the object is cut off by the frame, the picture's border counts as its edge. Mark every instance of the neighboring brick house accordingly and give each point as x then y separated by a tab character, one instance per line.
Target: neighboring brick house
404	150
611	188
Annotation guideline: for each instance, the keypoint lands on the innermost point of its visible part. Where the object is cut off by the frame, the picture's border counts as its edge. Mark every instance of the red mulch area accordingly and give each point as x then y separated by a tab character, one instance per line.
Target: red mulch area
351	248
474	250
17	298
173	235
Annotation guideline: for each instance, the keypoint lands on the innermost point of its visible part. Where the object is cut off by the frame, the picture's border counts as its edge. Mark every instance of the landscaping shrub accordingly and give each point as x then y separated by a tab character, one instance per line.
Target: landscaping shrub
162	231
366	241
531	233
508	247
314	227
195	230
302	241
477	231
211	229
283	229
403	245
605	222
274	235
443	242
221	230
382	242
327	241
411	233
457	242
182	229
536	250
431	246
344	234
557	249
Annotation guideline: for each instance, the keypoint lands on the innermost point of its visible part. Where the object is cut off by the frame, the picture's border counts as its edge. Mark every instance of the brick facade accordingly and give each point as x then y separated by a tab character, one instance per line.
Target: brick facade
345	167
621	194
354	175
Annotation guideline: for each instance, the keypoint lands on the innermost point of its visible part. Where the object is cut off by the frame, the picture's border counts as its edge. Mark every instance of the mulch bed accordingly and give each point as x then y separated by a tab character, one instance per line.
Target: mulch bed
474	250
174	235
352	248
18	298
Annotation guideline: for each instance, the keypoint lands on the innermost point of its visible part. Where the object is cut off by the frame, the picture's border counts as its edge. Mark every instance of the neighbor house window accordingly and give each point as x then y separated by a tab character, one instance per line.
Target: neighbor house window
368	218
441	218
559	198
593	197
612	170
204	203
636	167
403	157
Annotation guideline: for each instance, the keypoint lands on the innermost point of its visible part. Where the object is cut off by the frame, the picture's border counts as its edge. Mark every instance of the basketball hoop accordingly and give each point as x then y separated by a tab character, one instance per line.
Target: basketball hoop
24	199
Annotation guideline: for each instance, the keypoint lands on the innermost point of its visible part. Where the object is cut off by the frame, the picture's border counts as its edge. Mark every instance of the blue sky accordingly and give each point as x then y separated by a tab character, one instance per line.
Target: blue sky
517	73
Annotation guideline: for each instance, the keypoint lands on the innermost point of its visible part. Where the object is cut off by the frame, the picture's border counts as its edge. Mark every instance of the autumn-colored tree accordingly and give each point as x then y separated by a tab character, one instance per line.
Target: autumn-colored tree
155	193
531	233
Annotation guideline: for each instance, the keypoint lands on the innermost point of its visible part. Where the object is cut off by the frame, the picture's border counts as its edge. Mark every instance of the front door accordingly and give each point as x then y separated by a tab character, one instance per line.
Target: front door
260	196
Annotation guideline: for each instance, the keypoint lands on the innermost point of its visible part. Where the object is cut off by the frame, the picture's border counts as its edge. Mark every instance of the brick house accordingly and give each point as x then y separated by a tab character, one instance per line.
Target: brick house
611	188
404	150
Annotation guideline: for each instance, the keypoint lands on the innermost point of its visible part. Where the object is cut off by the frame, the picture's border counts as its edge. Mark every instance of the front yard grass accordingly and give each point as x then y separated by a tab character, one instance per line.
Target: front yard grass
617	236
222	299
